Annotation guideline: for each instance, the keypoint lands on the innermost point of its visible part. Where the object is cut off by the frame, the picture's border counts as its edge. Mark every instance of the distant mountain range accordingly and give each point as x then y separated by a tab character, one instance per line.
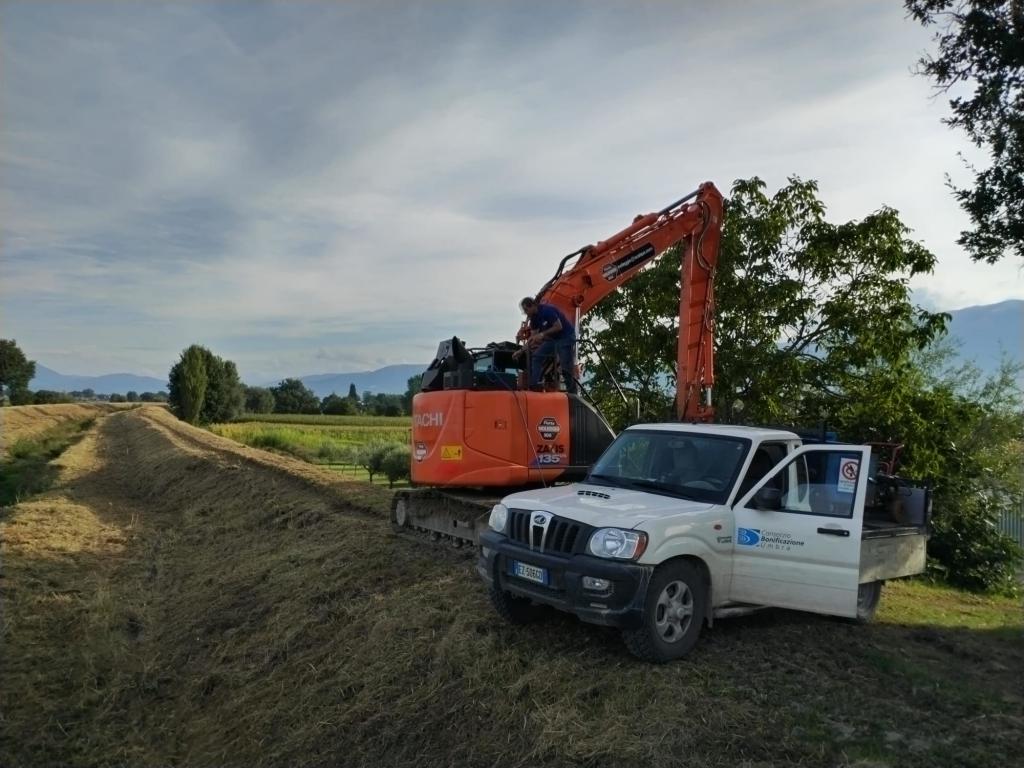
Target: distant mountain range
985	333
111	383
390	380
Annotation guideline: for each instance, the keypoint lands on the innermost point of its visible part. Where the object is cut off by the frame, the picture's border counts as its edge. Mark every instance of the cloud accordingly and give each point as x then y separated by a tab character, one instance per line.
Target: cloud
303	184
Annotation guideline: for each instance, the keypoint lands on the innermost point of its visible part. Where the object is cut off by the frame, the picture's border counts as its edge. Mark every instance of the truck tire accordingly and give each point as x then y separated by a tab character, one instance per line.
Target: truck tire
868	597
673	614
515	610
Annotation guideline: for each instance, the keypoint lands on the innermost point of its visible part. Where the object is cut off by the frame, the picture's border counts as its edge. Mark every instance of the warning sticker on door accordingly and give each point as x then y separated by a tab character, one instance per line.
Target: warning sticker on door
451	453
847	475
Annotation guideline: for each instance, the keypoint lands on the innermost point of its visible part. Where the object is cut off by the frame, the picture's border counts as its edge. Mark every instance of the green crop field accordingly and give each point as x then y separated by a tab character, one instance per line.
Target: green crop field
335	441
320	420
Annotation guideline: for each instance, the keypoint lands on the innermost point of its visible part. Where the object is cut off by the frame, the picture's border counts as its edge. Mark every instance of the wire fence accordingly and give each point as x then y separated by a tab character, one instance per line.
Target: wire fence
1011	522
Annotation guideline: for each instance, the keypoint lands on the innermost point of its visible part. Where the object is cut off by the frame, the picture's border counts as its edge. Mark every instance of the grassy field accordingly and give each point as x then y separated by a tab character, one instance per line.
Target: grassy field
329	440
176	599
320	420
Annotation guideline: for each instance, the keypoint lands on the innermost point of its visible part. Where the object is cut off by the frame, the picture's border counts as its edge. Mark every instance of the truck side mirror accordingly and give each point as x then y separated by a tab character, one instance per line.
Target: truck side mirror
768	498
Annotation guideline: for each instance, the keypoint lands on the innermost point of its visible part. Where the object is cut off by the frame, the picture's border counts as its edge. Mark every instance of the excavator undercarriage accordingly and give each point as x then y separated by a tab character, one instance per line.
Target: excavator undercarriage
455	517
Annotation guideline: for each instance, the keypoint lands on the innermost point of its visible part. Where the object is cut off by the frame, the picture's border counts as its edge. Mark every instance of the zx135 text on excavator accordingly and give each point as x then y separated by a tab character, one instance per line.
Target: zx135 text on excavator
479	433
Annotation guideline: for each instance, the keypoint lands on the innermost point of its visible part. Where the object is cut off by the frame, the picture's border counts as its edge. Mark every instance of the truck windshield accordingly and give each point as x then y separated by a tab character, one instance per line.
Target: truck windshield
686	464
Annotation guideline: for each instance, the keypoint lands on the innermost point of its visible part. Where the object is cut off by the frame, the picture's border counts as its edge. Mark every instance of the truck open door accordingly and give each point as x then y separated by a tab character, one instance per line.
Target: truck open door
797	542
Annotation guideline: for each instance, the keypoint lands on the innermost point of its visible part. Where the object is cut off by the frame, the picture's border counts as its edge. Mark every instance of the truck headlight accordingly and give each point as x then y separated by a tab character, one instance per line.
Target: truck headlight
617	543
499	516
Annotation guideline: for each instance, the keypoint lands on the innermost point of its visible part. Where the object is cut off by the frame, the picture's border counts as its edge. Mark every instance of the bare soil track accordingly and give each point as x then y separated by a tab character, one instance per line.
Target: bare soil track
178	599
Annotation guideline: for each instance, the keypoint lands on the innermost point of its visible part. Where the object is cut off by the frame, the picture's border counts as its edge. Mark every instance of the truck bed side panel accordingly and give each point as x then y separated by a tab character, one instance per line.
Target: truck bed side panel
892	557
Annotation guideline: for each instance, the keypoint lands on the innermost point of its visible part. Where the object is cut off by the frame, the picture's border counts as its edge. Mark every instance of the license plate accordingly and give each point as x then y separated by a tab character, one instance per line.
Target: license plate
529	572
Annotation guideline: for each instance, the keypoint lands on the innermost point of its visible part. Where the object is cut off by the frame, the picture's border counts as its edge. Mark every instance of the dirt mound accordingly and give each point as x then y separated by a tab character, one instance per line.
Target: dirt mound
180	599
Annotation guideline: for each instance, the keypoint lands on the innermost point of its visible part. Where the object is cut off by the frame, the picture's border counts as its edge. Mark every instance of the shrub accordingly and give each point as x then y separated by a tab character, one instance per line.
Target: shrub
49	397
331	452
396	463
272	440
968	550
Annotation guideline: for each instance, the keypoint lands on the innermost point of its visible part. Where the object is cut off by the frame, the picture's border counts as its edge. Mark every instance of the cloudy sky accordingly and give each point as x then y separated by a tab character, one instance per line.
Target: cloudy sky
334	186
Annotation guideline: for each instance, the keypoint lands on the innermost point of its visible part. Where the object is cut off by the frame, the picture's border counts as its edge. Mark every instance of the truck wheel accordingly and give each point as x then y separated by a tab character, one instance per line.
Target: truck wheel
515	610
868	597
399	512
673	616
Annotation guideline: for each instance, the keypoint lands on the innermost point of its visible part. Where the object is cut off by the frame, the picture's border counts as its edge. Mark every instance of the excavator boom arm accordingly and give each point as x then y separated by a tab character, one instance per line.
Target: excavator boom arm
602	268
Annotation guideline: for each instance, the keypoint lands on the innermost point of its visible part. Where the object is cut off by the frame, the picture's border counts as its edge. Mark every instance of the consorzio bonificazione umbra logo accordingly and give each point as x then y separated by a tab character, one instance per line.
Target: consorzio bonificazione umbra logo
748	537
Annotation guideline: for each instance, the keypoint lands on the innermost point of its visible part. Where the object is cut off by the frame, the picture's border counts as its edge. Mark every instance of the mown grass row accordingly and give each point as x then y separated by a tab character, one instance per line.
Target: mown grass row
26	471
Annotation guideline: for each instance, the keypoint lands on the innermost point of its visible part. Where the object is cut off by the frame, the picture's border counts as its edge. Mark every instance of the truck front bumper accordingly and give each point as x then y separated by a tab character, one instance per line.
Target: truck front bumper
620	604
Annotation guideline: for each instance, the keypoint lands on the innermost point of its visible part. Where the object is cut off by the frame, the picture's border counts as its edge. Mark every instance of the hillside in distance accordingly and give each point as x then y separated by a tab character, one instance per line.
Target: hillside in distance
390	380
108	384
984	334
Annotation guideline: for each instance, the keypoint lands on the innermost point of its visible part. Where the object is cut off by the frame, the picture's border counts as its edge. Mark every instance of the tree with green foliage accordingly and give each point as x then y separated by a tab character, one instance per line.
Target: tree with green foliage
396	463
412	388
814	323
352	394
259	400
292	396
962	433
382	404
132	396
187	384
225	395
205	389
117	397
16	371
981	47
802	305
334	405
49	397
370	456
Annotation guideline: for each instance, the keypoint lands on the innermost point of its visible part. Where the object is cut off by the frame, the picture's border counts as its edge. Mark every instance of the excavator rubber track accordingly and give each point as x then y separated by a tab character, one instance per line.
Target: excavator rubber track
453	516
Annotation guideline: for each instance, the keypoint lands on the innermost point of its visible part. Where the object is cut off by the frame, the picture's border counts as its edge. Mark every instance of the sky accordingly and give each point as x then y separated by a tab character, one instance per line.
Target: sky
310	186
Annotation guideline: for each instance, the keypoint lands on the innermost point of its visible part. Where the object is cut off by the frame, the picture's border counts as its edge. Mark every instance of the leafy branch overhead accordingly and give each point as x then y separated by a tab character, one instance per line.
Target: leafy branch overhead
802	306
981	54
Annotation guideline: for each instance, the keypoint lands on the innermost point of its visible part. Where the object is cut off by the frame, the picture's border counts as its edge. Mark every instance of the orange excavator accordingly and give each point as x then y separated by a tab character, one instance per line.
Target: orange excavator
479	432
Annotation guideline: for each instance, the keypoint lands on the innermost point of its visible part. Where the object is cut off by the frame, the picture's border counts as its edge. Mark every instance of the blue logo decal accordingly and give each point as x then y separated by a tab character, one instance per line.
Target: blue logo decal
748	537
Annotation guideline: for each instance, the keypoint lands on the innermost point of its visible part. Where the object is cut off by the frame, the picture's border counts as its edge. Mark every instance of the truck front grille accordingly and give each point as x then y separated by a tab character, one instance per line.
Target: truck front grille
563	537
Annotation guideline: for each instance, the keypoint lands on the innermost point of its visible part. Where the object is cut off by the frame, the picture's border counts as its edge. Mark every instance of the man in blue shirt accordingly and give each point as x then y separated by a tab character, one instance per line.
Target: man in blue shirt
552	335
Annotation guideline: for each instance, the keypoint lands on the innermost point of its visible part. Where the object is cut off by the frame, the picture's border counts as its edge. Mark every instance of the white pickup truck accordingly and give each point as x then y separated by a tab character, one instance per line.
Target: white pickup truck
679	524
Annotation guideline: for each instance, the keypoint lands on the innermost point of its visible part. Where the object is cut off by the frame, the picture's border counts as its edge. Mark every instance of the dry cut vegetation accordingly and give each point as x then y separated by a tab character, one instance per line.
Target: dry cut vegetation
26	421
177	599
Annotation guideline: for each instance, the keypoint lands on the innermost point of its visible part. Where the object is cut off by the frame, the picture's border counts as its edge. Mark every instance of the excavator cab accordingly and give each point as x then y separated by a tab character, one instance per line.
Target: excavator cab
456	367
